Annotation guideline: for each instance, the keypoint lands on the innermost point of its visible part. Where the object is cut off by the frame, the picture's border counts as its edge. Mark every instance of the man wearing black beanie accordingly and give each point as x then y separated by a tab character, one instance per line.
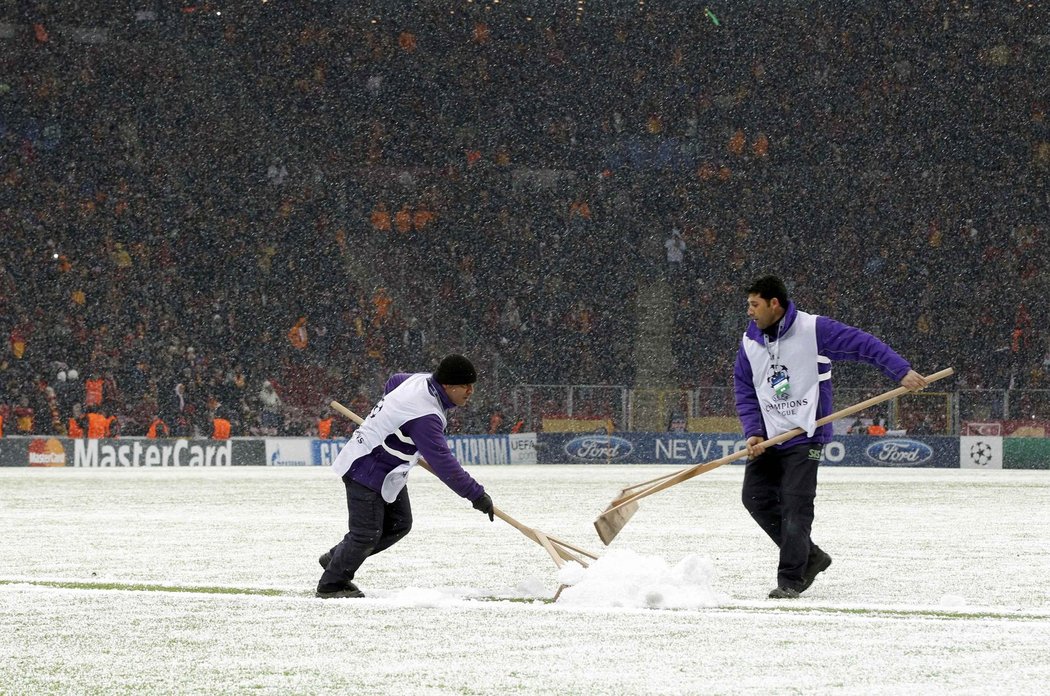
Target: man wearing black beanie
455	370
406	425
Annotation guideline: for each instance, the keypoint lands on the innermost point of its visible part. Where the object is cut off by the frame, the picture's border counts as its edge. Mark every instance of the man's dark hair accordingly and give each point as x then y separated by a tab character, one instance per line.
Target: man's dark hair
768	287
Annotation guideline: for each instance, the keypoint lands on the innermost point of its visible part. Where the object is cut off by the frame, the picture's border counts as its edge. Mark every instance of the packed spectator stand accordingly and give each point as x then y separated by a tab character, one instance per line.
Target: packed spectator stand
279	203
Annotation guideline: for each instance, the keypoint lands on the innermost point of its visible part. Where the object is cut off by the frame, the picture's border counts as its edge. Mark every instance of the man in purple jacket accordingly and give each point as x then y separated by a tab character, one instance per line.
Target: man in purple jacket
408	423
782	381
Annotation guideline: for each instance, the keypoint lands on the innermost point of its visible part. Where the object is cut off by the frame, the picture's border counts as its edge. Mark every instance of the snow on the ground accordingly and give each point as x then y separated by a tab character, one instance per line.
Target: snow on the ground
938	586
952	601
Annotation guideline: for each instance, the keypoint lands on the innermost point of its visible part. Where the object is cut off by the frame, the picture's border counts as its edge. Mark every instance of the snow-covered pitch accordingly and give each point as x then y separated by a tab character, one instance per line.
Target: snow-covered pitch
201	581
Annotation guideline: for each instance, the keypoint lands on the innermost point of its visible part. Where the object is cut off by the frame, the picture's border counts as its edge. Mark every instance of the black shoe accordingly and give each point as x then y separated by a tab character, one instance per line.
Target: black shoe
783	593
818	563
337	591
325	559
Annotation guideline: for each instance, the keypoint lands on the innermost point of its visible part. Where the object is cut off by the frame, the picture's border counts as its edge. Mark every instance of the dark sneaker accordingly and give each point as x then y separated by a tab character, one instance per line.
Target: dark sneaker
783	593
325	559
338	591
818	563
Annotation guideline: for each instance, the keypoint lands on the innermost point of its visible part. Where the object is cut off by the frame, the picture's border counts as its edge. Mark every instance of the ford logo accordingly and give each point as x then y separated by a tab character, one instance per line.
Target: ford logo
597	448
899	452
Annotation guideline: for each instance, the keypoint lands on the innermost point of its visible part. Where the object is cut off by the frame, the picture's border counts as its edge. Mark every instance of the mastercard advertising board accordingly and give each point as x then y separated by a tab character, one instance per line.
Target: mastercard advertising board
46	452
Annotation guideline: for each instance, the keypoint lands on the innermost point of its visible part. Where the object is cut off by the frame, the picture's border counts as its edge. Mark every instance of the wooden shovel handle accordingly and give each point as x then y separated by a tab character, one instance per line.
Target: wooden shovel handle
697	469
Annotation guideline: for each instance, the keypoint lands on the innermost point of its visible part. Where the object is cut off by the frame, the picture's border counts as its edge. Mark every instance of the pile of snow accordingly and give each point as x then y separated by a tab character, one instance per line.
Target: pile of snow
623	578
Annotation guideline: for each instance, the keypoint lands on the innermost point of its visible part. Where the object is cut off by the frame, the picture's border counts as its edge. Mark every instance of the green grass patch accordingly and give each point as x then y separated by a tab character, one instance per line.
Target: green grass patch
220	590
894	612
516	600
148	587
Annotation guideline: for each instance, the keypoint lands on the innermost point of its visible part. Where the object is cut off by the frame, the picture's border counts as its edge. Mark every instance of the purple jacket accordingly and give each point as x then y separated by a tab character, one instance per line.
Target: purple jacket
428	434
836	341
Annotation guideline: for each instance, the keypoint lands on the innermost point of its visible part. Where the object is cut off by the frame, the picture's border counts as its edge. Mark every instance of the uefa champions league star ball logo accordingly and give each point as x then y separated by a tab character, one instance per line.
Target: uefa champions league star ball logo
981	453
778	380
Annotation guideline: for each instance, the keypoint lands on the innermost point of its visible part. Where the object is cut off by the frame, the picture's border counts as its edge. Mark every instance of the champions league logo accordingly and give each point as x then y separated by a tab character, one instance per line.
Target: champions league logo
778	380
782	403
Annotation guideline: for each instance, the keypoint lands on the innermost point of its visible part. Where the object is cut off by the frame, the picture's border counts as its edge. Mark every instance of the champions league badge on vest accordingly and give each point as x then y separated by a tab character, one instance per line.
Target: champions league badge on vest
779	381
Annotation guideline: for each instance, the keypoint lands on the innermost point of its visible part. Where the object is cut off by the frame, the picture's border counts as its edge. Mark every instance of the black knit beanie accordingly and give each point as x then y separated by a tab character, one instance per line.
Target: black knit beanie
455	369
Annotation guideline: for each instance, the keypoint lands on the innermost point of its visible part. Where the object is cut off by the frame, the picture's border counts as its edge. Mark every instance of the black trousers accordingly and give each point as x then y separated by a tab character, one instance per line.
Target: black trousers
779	489
375	525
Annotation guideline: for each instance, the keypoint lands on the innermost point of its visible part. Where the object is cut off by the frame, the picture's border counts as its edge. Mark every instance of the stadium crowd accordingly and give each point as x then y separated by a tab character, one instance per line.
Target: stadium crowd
244	214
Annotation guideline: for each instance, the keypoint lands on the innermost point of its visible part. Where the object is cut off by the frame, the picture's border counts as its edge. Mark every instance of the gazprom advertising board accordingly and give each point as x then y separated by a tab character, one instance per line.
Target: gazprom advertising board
468	449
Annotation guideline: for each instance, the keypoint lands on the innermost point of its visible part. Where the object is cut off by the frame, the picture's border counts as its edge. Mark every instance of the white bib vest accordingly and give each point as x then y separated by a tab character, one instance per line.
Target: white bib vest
796	358
410	399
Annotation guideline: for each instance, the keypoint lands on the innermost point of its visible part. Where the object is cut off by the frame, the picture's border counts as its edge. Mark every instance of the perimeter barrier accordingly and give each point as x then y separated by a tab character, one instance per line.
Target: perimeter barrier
680	449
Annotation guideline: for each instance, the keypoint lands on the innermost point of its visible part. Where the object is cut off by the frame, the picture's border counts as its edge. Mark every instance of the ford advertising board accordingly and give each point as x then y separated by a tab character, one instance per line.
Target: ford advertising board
898	452
597	449
693	448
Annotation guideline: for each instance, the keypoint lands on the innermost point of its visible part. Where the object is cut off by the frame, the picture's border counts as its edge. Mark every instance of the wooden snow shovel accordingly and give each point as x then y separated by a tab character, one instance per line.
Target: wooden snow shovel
620	510
559	550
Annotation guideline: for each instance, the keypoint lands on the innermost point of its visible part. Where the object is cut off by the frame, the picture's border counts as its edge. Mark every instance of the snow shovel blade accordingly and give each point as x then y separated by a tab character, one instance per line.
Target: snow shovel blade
609	523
